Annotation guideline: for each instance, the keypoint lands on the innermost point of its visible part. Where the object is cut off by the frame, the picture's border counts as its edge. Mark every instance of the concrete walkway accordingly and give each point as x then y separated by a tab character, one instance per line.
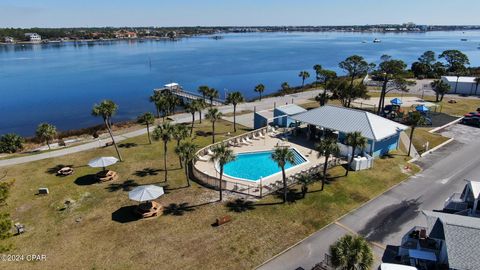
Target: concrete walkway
266	103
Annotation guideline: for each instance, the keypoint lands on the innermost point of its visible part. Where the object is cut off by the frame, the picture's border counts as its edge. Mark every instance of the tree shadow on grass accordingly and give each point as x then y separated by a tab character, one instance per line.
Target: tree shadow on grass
202	133
147	172
125	186
292	195
55	169
86	180
177	209
125	214
127	145
240	205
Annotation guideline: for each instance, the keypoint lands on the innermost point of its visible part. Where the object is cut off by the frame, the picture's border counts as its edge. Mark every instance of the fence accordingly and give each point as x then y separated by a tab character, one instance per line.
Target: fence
252	189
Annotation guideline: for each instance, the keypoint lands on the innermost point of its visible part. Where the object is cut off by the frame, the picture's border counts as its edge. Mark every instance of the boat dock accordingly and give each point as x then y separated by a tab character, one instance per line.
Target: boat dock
187	96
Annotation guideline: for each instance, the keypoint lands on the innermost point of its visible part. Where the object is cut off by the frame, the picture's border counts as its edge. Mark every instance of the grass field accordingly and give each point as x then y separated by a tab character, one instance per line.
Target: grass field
421	136
97	230
460	108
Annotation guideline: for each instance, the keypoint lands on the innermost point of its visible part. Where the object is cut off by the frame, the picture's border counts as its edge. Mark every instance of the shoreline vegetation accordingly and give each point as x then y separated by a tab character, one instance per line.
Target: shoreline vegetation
91	34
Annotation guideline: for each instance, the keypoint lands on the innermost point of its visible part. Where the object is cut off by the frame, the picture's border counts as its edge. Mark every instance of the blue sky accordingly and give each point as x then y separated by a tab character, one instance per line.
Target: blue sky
57	13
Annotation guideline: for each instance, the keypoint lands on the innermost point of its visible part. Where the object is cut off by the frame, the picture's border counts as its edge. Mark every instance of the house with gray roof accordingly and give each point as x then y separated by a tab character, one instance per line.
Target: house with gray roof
278	116
450	241
383	134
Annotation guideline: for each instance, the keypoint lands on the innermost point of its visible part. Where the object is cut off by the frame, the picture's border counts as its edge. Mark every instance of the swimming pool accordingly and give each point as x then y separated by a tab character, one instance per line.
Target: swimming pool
256	165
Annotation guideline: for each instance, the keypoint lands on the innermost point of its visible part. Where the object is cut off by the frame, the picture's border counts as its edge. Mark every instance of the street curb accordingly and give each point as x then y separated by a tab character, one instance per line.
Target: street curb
446	125
336	220
437	147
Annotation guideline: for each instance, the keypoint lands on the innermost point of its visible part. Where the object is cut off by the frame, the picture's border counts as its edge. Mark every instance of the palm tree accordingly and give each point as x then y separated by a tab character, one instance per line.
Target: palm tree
212	94
164	132
415	119
260	89
221	155
355	140
203	90
234	98
213	115
440	88
147	119
304	75
477	82
326	148
192	109
179	133
281	156
351	253
187	153
305	180
285	87
156	99
46	132
200	105
318	69
106	109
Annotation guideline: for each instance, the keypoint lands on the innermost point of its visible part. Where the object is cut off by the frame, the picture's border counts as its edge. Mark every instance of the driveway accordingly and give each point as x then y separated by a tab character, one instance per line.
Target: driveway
384	220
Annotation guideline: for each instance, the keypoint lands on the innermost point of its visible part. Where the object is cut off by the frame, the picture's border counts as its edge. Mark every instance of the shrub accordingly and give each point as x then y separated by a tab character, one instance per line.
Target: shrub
5	226
11	143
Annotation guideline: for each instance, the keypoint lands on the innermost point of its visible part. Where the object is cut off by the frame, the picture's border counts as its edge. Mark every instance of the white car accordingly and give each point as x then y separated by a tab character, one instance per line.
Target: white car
391	266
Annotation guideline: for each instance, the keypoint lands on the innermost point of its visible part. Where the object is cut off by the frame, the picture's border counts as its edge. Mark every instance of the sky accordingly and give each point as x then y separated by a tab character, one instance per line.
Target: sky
89	13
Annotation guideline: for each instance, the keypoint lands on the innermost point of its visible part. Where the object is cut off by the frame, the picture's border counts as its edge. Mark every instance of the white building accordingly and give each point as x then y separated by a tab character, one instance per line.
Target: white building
33	37
9	40
466	85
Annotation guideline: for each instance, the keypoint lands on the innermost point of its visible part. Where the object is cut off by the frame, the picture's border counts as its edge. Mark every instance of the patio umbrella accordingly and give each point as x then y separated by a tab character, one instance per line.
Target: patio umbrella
145	193
396	101
102	162
421	108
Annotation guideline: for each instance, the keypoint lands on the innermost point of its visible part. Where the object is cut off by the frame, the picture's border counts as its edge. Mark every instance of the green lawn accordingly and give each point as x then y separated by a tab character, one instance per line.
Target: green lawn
95	231
421	136
463	105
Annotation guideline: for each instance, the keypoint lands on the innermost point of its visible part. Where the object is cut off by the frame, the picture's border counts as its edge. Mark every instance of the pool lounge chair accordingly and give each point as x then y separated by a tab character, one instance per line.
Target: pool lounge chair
209	151
248	140
203	158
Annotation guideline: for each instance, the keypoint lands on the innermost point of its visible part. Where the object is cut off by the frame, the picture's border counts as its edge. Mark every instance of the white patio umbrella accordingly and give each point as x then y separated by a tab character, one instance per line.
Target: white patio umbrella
145	193
102	162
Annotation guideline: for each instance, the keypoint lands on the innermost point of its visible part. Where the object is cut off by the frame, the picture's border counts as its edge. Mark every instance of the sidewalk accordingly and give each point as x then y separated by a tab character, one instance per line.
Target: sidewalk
266	103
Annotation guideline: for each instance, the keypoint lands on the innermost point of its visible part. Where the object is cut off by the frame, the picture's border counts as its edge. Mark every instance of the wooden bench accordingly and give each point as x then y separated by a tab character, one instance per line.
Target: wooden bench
222	220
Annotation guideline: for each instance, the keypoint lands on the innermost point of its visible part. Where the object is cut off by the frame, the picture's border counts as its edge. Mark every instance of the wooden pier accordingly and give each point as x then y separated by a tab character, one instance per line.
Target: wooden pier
187	96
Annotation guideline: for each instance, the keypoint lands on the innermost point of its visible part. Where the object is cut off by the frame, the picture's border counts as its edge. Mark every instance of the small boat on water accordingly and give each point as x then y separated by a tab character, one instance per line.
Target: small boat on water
464	39
364	41
377	40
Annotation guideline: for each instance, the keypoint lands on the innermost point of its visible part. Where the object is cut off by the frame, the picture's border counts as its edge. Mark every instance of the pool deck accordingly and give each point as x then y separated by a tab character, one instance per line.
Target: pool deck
268	143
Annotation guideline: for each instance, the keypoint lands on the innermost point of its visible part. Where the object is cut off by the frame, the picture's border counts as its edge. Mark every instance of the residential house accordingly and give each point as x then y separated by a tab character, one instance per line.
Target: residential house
449	241
465	203
33	37
9	40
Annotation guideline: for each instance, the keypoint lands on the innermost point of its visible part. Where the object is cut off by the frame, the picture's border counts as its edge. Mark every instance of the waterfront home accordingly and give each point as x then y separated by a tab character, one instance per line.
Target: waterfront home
383	135
33	37
465	203
464	85
449	241
125	34
9	40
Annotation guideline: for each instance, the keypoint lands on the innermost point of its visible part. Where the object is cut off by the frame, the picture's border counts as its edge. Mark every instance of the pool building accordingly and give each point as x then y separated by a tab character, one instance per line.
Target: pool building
383	135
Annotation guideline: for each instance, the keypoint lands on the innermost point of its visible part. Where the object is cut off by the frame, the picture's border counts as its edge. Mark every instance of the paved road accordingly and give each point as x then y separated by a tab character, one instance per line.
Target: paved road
266	103
387	218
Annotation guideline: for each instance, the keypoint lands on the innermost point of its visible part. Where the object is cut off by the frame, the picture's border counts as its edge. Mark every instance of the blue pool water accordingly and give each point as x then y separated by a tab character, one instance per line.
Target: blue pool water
255	165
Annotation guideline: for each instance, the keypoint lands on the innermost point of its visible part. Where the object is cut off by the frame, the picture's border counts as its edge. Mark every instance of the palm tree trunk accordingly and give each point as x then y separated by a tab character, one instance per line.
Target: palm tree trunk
284	185
325	166
193	122
304	191
48	144
220	184
200	115
351	161
186	173
303	82
476	88
148	134
158	111
235	118
113	140
179	158
456	84
213	132
165	160
411	138
261	95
